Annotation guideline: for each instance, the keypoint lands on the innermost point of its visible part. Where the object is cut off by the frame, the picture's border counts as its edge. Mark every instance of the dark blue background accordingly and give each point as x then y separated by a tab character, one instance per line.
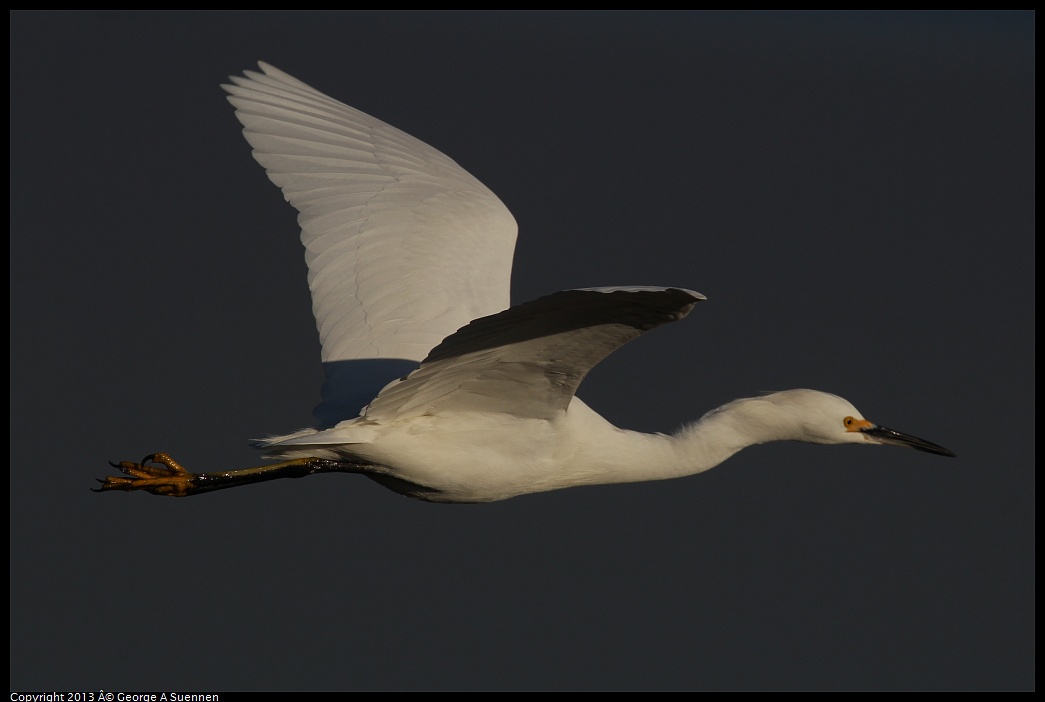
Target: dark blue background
854	192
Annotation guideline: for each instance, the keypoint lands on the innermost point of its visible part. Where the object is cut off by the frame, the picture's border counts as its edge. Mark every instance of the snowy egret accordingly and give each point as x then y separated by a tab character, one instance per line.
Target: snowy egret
409	262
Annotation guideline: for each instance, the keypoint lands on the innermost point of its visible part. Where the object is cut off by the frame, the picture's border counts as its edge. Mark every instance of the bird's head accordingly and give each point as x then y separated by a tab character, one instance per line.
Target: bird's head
824	418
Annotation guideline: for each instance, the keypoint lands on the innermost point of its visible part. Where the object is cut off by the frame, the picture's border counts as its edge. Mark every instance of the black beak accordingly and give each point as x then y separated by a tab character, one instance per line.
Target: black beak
888	436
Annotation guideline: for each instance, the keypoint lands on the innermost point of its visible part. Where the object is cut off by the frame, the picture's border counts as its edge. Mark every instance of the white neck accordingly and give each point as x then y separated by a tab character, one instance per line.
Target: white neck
627	456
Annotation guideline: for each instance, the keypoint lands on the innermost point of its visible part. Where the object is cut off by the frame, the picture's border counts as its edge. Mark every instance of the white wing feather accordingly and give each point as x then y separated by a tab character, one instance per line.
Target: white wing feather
403	245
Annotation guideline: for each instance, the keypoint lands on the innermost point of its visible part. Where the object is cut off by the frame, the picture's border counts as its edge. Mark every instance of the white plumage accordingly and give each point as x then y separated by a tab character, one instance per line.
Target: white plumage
409	262
403	246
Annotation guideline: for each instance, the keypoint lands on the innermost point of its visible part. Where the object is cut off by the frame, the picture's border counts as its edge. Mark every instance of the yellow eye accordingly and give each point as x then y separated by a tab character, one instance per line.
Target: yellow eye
848	421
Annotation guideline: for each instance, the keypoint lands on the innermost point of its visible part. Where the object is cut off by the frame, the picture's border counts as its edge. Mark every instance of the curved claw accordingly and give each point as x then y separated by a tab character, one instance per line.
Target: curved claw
157	473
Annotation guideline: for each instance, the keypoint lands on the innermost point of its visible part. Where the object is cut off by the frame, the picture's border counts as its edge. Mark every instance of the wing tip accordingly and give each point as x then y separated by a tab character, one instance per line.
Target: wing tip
656	289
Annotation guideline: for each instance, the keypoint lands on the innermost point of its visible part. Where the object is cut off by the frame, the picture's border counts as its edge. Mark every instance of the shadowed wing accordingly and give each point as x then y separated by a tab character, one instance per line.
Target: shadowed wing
528	360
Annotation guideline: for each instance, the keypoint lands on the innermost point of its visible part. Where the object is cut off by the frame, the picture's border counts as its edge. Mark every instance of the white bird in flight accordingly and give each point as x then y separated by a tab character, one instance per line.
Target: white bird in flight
409	260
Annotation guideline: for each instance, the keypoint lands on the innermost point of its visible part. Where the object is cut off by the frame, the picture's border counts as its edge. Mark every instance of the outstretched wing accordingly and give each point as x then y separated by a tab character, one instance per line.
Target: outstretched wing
403	245
528	360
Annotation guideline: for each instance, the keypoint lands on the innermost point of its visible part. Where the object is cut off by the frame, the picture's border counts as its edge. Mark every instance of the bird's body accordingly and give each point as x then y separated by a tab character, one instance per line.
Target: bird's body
483	456
433	388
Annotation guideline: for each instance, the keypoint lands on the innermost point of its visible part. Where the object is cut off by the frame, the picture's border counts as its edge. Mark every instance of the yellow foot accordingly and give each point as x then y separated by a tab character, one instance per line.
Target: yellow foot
157	473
